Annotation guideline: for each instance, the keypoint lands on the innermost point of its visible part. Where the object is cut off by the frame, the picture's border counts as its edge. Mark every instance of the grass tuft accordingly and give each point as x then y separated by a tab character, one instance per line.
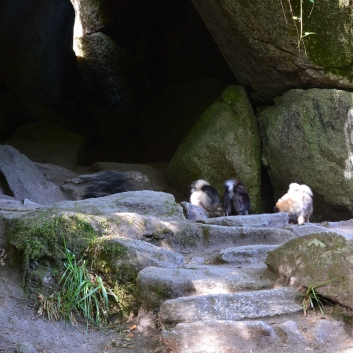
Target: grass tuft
82	293
311	299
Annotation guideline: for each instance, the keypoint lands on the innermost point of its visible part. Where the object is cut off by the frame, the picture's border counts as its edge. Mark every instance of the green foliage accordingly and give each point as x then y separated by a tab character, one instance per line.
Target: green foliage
102	246
82	292
44	234
311	299
50	242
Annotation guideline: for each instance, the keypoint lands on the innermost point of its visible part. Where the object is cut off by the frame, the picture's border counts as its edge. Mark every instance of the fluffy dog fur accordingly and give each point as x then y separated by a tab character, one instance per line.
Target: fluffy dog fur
203	194
297	202
236	200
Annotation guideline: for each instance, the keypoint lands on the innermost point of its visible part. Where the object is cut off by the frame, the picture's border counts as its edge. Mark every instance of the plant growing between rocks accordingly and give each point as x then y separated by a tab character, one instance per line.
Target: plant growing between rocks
299	29
82	292
72	251
311	299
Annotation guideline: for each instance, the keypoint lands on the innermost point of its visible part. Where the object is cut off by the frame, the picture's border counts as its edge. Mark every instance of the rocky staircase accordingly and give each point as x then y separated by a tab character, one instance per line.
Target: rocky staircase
208	280
225	300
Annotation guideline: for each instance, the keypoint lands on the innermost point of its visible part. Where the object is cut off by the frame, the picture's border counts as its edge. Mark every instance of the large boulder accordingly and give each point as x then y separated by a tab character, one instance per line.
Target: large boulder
106	95
37	59
223	144
151	204
44	142
55	174
156	178
307	135
23	180
315	259
104	183
260	42
109	232
105	67
18	110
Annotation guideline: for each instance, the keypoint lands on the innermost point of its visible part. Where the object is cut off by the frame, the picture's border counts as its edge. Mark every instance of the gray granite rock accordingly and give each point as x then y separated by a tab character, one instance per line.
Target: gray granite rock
220	336
270	220
326	330
23	180
104	183
235	306
156	285
140	255
322	260
292	333
25	347
248	255
156	178
192	212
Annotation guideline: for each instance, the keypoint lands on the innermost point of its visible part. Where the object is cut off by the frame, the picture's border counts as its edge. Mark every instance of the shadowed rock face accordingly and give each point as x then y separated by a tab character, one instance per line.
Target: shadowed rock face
38	61
45	142
260	42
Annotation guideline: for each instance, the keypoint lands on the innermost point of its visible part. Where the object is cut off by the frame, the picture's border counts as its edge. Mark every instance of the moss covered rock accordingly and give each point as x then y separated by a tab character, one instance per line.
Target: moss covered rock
259	39
112	235
223	144
307	139
315	259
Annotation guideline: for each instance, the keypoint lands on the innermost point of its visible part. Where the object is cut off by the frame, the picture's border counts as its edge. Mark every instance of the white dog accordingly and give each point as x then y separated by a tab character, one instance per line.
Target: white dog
297	202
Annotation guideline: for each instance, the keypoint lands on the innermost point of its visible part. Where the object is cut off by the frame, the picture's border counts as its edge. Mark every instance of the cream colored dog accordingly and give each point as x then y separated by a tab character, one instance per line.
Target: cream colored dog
297	202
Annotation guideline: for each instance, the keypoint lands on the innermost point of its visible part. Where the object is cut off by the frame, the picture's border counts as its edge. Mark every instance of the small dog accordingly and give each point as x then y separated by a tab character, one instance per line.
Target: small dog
203	194
297	202
236	200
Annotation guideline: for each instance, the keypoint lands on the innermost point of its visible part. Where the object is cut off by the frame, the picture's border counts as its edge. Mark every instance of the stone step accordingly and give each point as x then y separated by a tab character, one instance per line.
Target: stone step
266	220
155	285
248	256
278	336
219	337
234	306
240	236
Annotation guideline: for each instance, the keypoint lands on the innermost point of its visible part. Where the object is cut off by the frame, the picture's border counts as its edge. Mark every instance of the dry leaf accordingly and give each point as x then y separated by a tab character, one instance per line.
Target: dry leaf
133	327
129	335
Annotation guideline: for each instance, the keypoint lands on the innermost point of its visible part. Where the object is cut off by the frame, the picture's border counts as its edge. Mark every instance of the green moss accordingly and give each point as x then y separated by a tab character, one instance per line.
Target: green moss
108	258
114	249
330	49
122	280
46	234
343	314
230	95
162	290
185	237
174	209
43	237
